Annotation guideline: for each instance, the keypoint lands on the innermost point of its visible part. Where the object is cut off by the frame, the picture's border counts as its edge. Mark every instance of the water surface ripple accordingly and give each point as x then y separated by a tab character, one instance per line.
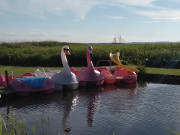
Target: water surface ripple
132	109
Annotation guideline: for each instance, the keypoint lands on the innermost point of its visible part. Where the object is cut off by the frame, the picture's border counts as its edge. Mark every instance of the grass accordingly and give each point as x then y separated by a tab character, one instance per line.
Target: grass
12	126
164	71
18	70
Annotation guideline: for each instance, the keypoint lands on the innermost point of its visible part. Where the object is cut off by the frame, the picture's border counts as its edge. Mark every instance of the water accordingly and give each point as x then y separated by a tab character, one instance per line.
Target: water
133	109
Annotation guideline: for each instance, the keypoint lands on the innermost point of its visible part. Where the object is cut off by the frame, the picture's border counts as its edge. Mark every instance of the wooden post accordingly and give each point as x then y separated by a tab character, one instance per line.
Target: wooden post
7	81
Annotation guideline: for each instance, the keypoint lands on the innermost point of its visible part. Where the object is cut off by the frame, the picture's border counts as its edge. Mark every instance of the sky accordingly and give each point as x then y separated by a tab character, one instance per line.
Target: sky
90	21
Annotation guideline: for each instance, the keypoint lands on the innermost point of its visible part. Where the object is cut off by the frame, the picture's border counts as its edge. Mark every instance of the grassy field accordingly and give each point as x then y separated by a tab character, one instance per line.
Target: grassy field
163	71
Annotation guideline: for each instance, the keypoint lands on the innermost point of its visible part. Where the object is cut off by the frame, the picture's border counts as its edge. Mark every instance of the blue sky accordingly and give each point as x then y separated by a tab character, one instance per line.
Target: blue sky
89	20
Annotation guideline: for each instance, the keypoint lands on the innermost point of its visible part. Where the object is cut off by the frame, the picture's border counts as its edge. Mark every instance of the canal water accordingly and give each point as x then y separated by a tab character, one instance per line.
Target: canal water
124	109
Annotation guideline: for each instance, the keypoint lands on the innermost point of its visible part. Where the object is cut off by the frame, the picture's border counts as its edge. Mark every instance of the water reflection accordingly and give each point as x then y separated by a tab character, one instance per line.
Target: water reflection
91	97
71	100
91	100
66	101
142	108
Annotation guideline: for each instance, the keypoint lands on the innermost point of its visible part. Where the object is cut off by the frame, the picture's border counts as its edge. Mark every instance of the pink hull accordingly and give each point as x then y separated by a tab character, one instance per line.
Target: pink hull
23	89
130	79
118	76
26	93
91	83
3	80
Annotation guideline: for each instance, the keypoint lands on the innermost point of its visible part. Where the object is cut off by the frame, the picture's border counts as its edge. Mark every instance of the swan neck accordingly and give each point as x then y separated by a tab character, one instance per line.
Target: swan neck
66	68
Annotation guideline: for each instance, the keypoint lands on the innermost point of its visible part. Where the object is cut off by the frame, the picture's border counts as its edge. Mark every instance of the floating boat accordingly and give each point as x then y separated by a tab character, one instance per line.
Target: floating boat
90	75
27	85
121	73
65	79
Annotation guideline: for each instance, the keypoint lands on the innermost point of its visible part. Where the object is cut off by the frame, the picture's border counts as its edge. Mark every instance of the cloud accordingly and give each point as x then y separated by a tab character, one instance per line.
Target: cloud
162	14
77	8
144	3
33	34
4	5
151	10
115	17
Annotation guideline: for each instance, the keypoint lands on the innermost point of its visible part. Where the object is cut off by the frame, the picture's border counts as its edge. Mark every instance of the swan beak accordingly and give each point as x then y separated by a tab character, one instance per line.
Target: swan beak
67	52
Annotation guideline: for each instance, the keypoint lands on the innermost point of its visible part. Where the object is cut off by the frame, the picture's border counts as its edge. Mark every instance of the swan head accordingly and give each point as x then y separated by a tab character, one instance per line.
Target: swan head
89	50
65	49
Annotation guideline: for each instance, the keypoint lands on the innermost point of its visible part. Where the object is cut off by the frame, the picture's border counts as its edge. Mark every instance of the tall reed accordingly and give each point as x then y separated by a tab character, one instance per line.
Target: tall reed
12	126
47	53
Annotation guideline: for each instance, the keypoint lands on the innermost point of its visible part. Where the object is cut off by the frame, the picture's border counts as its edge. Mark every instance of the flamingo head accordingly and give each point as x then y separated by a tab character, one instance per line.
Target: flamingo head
89	50
65	49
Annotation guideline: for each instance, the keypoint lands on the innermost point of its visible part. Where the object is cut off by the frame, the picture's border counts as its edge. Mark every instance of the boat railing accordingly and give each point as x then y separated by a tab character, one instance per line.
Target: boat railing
108	61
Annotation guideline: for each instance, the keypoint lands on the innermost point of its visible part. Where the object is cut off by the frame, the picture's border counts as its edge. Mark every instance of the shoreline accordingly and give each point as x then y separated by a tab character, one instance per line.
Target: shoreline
160	78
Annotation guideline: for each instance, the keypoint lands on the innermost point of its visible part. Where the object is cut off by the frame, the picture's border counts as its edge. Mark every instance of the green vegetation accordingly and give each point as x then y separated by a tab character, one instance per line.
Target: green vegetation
163	71
19	70
12	126
176	133
47	53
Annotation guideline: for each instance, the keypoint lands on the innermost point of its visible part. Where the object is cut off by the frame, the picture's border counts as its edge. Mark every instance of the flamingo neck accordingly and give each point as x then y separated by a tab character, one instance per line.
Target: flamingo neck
66	69
89	62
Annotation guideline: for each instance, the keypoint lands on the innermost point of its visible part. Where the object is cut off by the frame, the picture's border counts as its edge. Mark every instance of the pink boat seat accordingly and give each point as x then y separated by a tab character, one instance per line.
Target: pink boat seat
29	74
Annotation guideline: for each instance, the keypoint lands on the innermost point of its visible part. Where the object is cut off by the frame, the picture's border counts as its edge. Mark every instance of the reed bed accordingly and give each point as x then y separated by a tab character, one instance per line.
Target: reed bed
47	53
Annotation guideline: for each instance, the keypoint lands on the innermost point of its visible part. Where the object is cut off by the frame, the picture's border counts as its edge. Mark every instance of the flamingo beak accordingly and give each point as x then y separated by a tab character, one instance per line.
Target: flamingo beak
90	53
67	51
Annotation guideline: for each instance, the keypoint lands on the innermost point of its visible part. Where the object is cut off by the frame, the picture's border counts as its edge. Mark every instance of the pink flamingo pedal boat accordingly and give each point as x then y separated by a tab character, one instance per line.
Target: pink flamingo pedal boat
121	73
89	75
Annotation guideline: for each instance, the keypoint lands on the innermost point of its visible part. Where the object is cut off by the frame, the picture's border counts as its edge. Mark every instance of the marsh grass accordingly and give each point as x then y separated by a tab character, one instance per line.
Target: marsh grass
12	126
111	132
47	53
176	133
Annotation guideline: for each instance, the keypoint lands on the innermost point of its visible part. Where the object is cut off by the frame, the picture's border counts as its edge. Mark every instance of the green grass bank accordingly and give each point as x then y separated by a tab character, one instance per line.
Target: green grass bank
19	70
